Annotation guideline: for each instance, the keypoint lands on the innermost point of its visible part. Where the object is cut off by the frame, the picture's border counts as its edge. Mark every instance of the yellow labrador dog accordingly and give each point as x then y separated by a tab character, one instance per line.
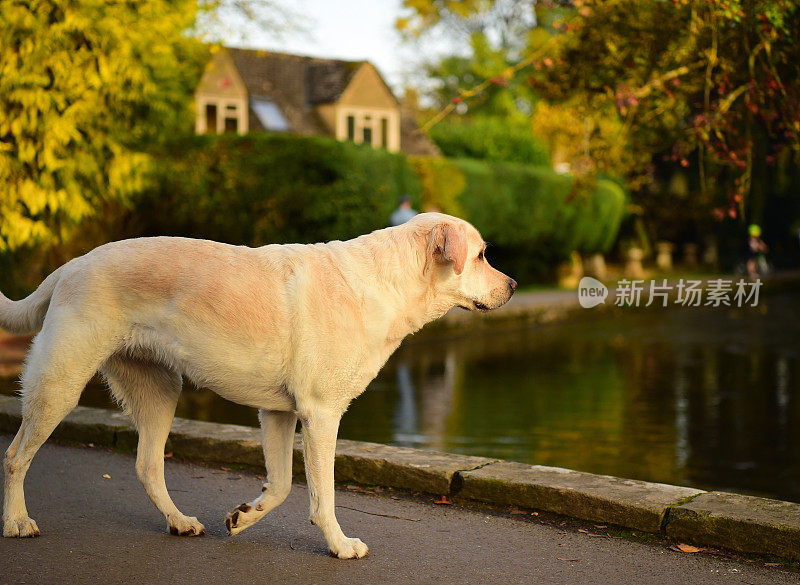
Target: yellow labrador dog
297	331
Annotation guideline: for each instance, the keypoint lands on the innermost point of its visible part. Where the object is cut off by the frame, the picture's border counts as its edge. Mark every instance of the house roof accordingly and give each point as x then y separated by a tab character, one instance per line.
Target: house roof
295	83
412	139
310	80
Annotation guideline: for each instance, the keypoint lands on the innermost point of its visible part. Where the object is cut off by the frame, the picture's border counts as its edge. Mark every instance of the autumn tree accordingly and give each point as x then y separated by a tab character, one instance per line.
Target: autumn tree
708	85
85	87
633	88
501	44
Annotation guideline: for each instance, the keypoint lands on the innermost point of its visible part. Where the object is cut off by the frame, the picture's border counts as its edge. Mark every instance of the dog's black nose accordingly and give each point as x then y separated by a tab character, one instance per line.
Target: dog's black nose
512	284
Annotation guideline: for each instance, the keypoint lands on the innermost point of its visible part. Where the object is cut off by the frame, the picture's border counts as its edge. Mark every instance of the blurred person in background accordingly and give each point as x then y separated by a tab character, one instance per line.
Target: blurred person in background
756	250
403	213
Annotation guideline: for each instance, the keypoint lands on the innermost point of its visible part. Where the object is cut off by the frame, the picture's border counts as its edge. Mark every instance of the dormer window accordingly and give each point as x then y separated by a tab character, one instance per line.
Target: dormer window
374	127
218	115
211	118
366	129
231	118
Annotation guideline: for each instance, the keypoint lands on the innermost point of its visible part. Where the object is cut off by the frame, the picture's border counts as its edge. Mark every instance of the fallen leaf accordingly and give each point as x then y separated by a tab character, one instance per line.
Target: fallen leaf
167	455
569	560
773	564
534	513
105	475
225	468
600	526
582	530
445	501
518	512
686	548
378	490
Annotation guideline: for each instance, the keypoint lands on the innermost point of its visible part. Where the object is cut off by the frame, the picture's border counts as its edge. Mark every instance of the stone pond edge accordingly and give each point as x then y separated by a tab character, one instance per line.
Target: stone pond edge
732	521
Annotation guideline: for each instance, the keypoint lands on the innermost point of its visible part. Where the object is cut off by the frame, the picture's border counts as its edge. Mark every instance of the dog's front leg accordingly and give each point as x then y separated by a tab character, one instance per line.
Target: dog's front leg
319	448
277	429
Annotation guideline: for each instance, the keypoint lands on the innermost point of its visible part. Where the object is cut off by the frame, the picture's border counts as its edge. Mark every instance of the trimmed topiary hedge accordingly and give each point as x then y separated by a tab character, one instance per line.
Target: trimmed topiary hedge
491	139
534	216
265	188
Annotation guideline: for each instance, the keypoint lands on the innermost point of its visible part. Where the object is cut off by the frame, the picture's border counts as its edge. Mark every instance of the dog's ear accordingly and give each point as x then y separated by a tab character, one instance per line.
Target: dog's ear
448	243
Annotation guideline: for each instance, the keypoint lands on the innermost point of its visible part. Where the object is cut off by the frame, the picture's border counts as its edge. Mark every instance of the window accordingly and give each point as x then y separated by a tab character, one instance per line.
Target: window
222	115
211	118
385	132
270	115
366	130
378	128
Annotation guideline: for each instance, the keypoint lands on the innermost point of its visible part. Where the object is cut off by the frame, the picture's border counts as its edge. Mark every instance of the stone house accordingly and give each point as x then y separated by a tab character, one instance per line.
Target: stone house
251	90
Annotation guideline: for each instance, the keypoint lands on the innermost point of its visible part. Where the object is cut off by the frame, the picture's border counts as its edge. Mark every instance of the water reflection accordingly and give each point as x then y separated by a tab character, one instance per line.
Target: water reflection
426	423
703	397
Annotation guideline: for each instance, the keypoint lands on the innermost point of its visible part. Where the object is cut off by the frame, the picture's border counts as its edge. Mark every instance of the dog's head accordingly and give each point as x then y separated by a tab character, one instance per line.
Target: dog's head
455	260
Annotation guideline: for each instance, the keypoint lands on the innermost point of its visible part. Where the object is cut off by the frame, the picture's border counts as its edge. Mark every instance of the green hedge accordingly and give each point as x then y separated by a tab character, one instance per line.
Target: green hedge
265	188
533	216
534	205
492	139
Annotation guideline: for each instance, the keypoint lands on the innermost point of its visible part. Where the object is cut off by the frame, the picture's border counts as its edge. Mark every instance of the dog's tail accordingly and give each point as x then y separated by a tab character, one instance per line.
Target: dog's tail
27	315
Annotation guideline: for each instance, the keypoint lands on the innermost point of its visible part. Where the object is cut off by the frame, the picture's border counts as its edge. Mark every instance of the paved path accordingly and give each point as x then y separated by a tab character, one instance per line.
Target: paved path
105	531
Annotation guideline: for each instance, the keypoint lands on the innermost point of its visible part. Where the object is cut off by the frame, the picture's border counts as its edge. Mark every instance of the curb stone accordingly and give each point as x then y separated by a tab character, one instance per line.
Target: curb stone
742	523
598	498
416	470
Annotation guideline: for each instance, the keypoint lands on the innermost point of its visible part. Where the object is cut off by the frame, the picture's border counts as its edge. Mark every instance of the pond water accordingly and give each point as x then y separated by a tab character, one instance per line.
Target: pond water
706	397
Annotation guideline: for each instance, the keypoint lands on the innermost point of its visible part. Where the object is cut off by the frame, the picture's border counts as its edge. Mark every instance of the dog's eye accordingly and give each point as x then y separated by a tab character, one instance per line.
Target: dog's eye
480	256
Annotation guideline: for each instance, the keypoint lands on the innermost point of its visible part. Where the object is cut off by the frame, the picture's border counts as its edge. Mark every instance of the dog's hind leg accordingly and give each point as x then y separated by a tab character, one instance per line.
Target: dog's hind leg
149	393
277	429
56	371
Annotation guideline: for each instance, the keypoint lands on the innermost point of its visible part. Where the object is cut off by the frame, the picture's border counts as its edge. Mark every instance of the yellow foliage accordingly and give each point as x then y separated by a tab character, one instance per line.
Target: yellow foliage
588	140
441	181
85	87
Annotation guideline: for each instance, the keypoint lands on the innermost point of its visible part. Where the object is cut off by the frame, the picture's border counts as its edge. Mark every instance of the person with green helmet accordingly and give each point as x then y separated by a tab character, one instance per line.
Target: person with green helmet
756	248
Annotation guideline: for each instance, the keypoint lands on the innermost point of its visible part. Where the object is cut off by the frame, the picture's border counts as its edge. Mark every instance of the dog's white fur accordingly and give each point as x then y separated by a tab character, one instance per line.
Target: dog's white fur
296	331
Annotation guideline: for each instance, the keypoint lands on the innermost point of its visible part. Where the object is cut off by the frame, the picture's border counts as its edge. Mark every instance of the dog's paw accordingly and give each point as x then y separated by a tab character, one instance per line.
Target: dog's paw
185	526
23	528
243	516
350	548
